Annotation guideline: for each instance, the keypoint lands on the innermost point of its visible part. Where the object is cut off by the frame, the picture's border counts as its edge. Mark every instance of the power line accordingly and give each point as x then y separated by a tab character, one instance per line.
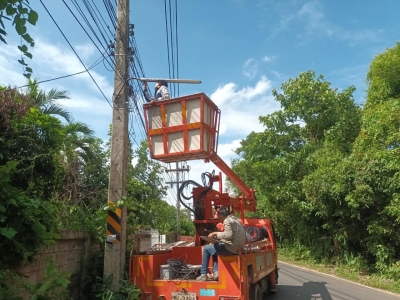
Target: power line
172	47
166	32
112	64
56	78
176	40
75	53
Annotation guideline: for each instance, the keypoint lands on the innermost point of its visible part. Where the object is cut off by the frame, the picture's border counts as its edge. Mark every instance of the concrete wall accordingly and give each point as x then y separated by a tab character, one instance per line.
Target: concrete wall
69	254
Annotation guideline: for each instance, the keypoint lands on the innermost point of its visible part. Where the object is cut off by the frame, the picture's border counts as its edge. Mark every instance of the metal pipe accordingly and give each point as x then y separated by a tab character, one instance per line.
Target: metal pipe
167	80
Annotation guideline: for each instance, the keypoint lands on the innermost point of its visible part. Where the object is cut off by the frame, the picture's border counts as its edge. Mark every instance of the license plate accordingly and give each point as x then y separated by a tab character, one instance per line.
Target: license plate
183	296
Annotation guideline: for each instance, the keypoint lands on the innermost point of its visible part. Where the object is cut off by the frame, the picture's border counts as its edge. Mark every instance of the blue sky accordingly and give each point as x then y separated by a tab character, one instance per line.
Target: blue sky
239	49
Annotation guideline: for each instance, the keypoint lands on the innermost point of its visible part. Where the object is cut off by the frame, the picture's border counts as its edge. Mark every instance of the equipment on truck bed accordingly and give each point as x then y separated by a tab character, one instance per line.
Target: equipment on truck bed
187	128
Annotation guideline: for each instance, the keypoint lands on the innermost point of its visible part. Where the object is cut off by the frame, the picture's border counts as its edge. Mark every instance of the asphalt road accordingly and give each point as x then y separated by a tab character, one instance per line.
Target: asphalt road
296	283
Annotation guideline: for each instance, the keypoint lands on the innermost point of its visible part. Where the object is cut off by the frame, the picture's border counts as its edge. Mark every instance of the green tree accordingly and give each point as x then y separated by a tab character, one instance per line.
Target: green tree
19	12
85	191
26	223
47	101
34	141
75	154
376	164
30	173
382	77
314	120
146	191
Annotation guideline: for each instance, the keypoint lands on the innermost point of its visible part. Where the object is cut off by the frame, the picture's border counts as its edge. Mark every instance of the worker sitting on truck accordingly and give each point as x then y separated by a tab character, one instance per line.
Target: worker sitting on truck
230	241
161	92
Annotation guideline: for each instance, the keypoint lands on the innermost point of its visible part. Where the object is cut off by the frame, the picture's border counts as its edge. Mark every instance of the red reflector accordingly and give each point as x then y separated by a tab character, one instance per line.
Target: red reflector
228	298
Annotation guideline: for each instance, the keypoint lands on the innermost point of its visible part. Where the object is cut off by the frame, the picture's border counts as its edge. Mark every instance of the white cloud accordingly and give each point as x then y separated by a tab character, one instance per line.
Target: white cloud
57	59
250	68
277	74
85	51
53	60
316	24
229	92
227	150
85	102
267	58
311	18
240	109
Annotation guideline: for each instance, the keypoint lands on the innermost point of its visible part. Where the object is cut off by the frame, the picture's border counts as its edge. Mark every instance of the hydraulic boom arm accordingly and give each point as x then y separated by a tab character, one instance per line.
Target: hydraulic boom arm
249	194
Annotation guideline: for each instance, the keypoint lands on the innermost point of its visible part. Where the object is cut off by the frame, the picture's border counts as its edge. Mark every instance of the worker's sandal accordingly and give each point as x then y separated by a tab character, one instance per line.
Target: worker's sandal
202	277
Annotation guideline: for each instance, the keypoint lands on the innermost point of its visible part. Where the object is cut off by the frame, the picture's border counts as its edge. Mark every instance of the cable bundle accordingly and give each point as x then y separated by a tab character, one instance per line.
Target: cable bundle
253	234
183	270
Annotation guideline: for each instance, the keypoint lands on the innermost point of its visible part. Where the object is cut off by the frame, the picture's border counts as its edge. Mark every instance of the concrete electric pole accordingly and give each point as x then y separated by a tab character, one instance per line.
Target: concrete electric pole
114	256
178	170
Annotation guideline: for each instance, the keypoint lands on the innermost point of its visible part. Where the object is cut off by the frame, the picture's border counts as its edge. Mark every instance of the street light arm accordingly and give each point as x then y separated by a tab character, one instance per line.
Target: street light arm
166	80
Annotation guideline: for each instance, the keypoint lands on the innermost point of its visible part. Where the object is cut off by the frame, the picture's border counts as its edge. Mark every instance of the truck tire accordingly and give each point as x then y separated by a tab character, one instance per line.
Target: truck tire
271	288
255	292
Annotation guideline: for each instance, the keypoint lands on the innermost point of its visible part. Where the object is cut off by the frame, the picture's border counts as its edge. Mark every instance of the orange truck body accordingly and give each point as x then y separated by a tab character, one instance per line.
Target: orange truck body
187	128
239	275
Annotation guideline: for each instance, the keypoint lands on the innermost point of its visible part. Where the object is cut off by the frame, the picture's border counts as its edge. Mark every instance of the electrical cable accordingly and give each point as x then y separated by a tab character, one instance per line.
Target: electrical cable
172	48
176	40
166	32
183	270
75	52
135	66
201	195
56	78
104	21
119	73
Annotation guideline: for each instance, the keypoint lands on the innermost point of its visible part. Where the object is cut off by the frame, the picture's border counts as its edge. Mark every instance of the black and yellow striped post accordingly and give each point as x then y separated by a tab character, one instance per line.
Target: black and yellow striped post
114	222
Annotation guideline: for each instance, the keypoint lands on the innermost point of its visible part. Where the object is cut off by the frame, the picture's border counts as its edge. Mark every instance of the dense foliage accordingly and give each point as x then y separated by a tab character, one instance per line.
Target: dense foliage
54	175
327	170
26	223
148	210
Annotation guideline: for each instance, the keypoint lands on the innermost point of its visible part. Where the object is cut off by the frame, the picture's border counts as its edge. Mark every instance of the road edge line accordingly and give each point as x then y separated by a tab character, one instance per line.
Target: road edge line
336	277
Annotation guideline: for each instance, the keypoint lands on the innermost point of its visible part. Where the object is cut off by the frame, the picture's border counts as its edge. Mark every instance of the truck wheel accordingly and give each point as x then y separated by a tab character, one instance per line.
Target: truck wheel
271	288
255	292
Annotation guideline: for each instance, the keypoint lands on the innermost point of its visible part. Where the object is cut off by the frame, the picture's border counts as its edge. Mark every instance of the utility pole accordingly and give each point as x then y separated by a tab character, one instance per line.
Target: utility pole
114	255
178	170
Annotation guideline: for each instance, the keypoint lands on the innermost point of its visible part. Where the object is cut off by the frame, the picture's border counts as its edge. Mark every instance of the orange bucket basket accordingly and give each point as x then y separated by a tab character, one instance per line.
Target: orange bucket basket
183	128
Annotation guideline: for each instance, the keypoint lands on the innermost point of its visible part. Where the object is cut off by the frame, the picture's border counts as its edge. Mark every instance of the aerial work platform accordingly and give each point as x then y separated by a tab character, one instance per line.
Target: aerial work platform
183	128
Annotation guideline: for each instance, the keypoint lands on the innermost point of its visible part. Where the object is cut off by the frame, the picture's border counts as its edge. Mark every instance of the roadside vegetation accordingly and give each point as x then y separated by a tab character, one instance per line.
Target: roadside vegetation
327	171
54	176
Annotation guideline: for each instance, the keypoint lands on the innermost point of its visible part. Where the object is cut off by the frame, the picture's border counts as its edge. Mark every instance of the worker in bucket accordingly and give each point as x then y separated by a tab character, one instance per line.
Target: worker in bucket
161	92
230	241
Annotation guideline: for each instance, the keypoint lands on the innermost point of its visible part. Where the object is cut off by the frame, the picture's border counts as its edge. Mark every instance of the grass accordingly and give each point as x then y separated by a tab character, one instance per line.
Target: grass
348	270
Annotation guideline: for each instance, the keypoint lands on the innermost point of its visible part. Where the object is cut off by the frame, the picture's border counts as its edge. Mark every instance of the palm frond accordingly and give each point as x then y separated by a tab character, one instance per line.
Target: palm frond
32	89
46	102
56	109
75	128
56	94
